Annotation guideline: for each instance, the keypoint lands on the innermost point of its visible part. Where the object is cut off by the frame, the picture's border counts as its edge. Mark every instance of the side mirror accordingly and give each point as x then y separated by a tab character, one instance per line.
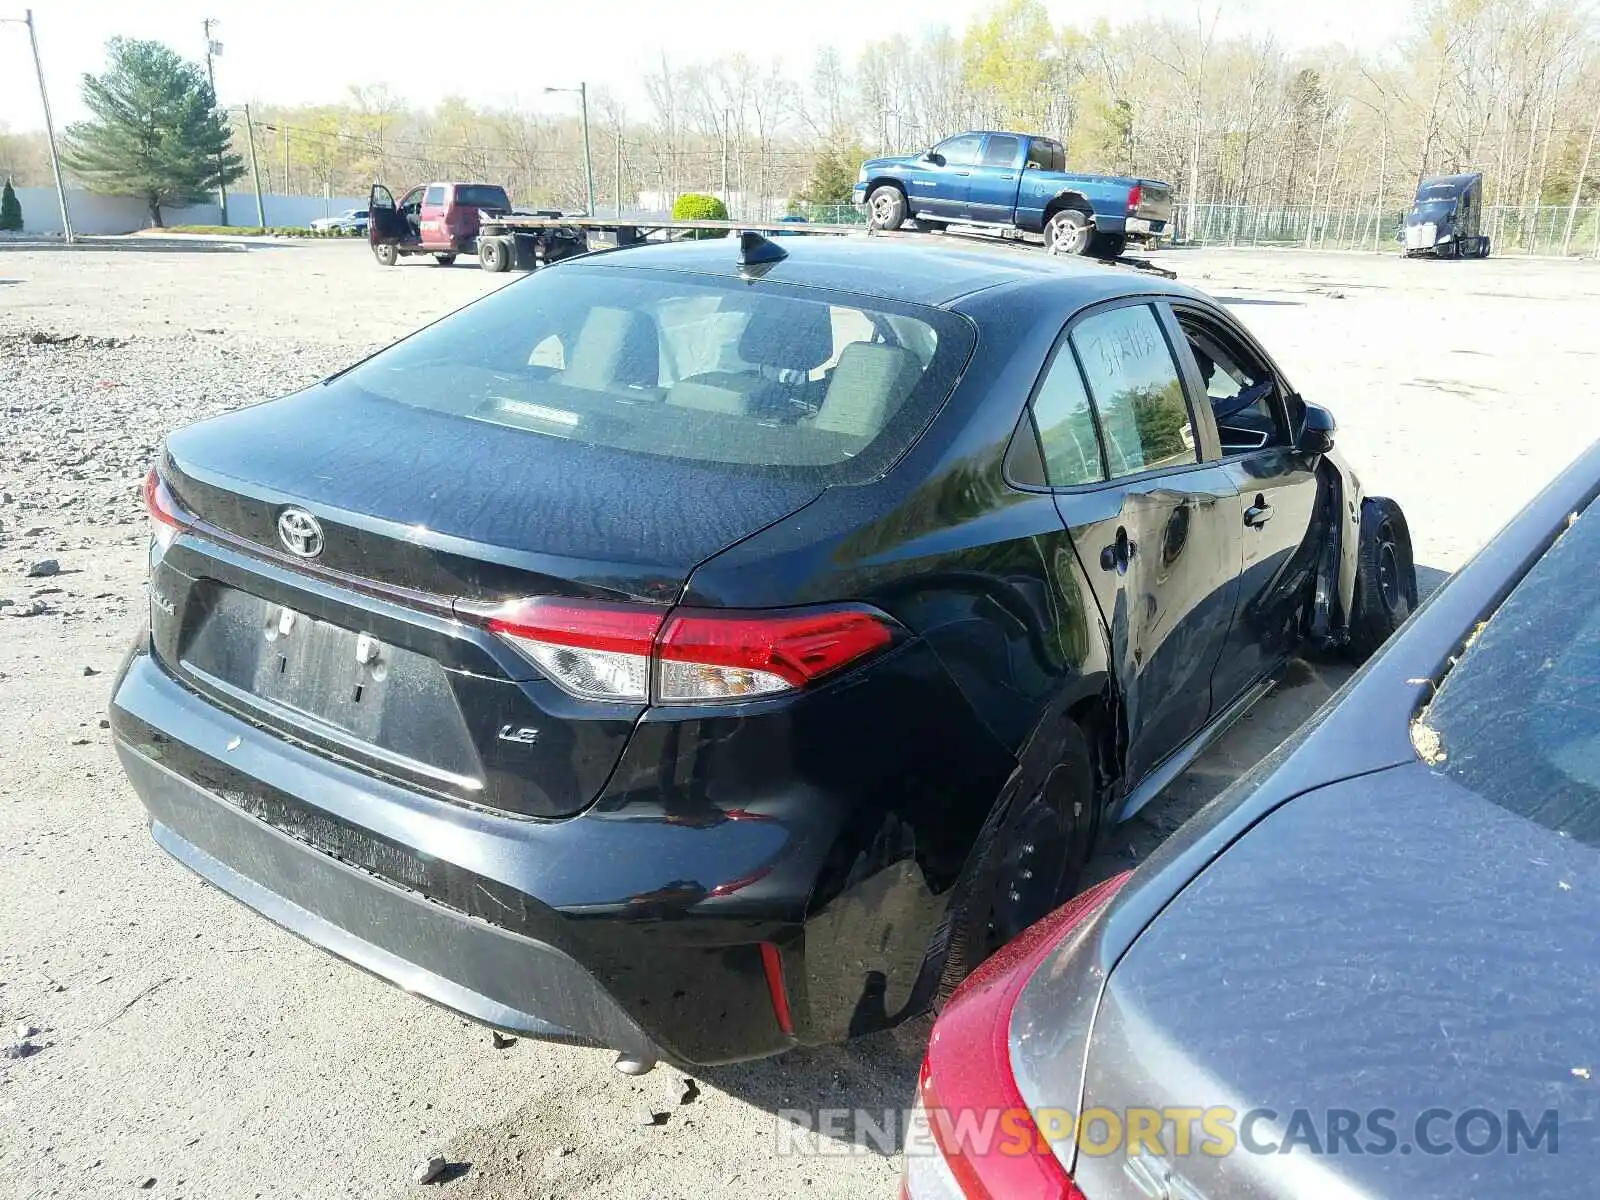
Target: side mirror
1317	428
934	157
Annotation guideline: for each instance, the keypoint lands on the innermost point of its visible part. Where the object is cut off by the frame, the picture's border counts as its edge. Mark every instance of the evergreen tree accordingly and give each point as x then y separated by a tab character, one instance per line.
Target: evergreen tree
834	175
156	133
10	208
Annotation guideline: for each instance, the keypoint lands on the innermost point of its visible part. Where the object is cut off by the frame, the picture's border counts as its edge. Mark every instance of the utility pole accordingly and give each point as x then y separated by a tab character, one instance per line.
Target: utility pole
49	125
286	189
727	120
618	146
588	163
582	91
255	169
214	47
1383	171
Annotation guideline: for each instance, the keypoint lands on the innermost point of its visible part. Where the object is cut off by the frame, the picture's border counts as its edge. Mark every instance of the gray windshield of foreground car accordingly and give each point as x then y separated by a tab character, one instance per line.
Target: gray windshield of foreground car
687	367
1517	720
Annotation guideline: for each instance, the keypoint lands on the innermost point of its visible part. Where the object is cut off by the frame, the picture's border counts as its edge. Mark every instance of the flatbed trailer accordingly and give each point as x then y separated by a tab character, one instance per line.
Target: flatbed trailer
523	242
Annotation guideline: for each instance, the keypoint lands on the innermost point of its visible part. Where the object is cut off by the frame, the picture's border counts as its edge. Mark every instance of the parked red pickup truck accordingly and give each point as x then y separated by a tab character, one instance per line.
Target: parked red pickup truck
440	219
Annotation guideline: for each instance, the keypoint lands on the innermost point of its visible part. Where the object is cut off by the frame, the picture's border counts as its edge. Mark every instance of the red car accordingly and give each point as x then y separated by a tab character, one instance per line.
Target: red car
440	219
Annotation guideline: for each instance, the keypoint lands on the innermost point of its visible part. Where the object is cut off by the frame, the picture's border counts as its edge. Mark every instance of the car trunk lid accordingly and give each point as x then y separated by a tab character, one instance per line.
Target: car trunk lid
373	647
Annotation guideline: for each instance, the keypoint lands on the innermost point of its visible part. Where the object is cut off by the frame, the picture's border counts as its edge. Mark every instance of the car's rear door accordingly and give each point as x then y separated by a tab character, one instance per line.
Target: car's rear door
1155	525
992	189
938	186
1278	489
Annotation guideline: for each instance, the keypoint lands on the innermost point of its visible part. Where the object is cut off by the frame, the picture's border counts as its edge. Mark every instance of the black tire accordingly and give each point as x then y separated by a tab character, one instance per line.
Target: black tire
494	255
386	253
1068	231
444	260
1029	861
1108	245
886	207
1386	577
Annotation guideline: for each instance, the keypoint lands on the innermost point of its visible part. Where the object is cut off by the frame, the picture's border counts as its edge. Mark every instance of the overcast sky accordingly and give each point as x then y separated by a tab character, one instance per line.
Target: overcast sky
492	53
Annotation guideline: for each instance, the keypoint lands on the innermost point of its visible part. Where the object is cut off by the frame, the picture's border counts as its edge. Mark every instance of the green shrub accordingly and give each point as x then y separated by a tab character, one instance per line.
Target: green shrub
697	206
10	208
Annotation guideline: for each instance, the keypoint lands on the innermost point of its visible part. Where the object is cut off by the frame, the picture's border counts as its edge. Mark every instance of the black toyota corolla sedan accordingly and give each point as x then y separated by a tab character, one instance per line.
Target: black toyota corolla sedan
697	650
1369	969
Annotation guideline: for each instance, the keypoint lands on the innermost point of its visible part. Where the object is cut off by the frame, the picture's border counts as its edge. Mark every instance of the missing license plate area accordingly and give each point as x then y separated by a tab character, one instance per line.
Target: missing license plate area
289	665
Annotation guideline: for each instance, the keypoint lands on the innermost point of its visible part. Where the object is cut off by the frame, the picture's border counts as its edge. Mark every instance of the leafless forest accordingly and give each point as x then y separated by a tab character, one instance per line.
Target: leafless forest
1324	135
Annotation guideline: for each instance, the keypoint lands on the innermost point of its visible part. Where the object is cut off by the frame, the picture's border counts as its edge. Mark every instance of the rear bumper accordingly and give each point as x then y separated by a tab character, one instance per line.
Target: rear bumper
640	924
489	974
542	927
1146	227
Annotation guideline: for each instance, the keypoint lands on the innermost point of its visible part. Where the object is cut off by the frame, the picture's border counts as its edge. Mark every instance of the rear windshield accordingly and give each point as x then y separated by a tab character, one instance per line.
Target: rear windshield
1518	718
478	195
797	381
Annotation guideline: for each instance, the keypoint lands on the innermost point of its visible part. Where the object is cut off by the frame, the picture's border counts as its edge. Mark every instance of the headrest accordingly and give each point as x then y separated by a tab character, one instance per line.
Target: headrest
789	335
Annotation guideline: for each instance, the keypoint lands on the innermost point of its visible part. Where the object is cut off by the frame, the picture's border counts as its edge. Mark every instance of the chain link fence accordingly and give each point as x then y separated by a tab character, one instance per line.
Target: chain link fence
1537	229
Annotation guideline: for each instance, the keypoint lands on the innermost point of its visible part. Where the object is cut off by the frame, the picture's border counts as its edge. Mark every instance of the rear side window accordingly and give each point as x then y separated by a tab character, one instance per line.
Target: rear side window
753	375
1067	436
1000	151
1136	388
478	195
1046	155
435	194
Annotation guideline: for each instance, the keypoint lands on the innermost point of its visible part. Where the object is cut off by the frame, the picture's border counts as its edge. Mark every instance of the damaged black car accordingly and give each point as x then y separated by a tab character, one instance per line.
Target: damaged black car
702	649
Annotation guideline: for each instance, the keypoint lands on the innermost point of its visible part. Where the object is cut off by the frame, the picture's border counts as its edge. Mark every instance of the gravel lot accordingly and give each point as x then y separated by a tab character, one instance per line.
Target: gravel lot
186	1042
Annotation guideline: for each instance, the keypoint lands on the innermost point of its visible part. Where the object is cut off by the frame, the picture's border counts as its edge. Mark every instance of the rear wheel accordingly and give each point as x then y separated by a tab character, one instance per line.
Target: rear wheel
1031	861
1386	577
494	254
886	207
1067	232
386	254
444	260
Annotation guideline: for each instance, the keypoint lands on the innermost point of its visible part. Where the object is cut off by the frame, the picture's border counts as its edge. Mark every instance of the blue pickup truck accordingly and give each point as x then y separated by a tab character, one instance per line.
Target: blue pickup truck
1014	183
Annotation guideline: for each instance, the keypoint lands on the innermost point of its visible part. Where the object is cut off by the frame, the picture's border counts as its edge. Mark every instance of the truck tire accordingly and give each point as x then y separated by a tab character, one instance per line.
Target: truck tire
386	254
1108	245
1068	232
494	254
886	207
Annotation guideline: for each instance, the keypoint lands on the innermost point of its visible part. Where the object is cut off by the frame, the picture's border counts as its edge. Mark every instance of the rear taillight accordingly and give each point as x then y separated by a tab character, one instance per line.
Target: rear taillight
630	653
1135	197
165	523
974	1136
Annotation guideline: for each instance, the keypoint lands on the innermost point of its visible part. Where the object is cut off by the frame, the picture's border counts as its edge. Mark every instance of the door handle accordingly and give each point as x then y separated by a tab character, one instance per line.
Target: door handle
1008	178
1119	553
1258	514
963	174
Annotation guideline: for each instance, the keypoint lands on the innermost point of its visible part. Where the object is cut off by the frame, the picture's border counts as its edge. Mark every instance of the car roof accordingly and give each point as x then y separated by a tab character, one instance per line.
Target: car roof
911	268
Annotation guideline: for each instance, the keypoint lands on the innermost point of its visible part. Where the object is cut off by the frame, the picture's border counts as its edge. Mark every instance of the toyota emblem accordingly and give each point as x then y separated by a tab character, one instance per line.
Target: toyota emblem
299	532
